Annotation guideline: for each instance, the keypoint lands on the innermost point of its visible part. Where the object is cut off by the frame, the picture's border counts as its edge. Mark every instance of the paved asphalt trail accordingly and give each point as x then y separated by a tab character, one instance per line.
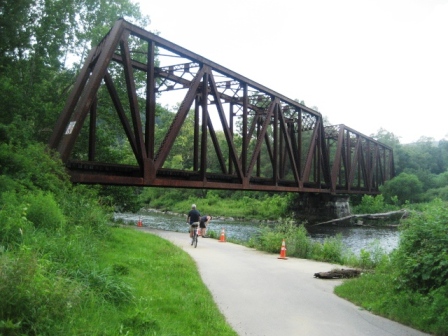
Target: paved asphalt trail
261	295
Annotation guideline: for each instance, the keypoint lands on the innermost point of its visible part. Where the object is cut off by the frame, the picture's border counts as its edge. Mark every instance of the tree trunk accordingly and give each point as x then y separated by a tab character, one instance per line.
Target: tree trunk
338	274
403	213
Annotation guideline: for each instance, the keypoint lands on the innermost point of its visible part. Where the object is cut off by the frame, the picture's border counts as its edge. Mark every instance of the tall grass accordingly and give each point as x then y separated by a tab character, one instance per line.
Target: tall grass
65	271
127	283
169	296
300	245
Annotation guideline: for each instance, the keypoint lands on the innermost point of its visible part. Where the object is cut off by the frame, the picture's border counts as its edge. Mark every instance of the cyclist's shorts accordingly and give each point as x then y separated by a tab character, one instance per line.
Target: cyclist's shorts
194	224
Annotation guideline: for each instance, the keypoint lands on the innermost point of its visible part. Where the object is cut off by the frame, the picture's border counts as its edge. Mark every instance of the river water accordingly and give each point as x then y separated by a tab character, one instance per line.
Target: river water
354	238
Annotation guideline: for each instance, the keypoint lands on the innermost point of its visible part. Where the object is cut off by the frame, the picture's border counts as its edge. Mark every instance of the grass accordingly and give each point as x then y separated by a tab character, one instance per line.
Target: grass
411	286
125	283
120	281
376	293
170	297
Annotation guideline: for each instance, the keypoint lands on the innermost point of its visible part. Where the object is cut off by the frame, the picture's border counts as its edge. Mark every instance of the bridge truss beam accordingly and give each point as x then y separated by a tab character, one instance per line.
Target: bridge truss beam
246	136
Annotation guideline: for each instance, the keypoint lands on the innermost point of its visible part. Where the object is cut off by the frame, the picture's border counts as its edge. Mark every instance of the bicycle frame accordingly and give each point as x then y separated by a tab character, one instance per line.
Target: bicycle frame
194	239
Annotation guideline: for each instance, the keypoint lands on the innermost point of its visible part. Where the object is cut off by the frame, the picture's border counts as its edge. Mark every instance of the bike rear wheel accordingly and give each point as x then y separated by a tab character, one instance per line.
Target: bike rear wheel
195	239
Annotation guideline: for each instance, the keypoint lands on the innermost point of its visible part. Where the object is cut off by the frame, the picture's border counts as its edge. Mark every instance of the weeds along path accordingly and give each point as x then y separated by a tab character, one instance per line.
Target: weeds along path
261	295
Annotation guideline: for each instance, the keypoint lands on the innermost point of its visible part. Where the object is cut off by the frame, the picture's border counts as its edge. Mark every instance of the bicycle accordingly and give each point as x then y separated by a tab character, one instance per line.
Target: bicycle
194	239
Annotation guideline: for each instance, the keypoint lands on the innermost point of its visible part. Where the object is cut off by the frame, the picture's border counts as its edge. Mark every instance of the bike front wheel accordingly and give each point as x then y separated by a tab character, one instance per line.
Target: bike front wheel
195	238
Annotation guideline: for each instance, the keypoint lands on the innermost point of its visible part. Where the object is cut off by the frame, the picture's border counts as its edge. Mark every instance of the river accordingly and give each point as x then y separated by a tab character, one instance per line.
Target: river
354	238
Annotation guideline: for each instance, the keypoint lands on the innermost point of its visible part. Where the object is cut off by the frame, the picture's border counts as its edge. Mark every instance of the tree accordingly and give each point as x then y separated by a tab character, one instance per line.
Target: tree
387	138
392	140
42	44
406	187
38	41
442	156
422	155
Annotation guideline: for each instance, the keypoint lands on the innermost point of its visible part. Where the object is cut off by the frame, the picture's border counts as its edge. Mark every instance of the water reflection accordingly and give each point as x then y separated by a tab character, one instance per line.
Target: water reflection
234	229
355	238
359	237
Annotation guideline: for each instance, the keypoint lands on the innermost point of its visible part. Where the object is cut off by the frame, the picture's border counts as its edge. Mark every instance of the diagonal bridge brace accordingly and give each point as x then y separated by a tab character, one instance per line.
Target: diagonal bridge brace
261	140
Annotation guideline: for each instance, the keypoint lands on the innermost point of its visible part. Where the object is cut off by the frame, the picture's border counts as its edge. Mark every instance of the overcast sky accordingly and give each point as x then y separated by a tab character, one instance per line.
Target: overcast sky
368	64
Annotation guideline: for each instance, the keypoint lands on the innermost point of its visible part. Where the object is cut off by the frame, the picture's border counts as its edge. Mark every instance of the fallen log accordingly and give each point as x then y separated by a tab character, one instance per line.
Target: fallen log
338	274
403	213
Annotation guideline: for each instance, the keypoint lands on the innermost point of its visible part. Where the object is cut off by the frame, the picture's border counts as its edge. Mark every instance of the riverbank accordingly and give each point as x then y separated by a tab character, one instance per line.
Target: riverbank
354	239
144	211
395	288
262	295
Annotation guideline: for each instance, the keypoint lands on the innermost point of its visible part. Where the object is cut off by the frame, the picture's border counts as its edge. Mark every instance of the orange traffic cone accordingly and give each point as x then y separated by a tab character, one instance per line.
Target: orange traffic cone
283	251
222	239
139	223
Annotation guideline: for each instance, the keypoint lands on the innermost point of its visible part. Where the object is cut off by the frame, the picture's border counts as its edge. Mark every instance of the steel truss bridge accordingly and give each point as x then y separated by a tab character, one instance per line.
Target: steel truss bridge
245	135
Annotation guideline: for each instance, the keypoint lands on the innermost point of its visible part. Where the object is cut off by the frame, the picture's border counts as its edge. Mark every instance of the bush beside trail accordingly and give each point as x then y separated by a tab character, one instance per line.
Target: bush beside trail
411	286
65	270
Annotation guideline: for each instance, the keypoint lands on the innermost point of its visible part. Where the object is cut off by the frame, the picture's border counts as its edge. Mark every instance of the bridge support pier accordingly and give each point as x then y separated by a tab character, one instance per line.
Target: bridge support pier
315	208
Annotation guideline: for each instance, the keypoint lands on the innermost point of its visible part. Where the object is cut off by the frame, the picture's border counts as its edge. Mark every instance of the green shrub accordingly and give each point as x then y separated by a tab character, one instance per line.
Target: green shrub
422	254
267	240
402	188
13	221
374	204
272	206
371	257
33	302
121	198
33	167
332	250
44	212
298	244
82	207
441	192
438	311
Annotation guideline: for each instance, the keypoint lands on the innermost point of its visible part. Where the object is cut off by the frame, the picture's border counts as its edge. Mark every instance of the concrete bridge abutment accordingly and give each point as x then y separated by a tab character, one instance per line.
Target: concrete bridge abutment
316	208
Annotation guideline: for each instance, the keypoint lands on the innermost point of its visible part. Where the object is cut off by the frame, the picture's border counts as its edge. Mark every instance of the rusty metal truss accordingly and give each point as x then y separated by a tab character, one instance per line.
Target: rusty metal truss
245	136
358	162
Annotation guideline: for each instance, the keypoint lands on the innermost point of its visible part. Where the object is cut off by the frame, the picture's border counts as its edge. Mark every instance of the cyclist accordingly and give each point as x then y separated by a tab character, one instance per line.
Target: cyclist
193	218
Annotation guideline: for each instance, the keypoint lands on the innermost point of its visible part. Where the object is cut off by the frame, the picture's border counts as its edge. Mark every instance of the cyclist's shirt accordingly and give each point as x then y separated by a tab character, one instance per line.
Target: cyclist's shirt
194	216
